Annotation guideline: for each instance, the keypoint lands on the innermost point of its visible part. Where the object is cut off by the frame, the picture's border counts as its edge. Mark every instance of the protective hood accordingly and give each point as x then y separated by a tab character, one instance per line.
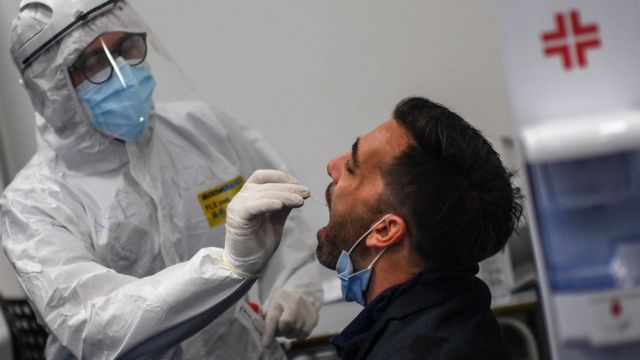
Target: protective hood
66	139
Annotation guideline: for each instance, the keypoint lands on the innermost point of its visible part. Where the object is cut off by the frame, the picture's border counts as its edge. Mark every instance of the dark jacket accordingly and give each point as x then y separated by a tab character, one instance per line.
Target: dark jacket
435	315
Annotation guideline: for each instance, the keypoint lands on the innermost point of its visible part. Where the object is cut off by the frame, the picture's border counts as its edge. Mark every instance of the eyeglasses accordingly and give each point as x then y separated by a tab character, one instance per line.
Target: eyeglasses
96	66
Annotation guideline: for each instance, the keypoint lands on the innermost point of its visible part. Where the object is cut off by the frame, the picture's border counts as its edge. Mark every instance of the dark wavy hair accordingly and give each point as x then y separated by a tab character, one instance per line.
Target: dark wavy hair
451	188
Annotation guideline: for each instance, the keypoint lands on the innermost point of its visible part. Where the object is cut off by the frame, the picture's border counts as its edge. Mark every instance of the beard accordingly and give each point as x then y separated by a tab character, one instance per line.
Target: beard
340	234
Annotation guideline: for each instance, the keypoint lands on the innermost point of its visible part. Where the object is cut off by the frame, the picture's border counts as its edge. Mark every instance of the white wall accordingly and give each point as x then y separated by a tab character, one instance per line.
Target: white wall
3	171
17	139
311	75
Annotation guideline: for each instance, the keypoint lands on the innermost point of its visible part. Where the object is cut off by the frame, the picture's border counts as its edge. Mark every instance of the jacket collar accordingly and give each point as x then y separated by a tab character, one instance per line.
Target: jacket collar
432	287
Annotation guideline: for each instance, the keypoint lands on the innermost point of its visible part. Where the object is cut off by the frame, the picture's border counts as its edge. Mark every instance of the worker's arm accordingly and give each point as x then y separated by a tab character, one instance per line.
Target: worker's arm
97	313
290	287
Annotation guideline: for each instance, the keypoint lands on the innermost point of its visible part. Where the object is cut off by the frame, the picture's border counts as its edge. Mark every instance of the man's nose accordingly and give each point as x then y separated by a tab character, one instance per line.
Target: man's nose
335	167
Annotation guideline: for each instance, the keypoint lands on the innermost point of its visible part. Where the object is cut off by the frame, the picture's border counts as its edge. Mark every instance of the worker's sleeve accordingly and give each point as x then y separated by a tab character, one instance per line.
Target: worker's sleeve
95	312
294	265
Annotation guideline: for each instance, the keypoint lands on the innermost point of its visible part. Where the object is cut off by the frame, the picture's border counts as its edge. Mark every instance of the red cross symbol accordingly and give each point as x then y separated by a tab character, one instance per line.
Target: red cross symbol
570	40
616	308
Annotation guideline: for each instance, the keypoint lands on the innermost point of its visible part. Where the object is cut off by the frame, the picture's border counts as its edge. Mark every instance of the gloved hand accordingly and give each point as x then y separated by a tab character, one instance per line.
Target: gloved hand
256	217
288	314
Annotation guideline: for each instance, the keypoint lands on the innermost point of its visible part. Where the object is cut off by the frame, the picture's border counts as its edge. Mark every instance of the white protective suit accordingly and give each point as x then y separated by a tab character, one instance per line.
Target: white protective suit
110	239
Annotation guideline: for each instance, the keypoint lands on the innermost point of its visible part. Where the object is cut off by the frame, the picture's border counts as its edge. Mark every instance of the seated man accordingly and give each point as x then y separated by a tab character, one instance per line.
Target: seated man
414	206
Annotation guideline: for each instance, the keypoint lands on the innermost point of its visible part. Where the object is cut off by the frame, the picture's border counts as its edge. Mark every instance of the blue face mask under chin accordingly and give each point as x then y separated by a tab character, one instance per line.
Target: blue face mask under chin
117	110
354	286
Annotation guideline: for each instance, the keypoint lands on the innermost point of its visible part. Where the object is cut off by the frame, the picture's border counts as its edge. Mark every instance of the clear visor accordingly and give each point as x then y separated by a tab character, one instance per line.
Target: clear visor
97	63
112	55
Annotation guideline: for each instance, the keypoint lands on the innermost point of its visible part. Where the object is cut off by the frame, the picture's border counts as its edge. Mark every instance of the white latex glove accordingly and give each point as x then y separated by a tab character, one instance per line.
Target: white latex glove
256	217
288	314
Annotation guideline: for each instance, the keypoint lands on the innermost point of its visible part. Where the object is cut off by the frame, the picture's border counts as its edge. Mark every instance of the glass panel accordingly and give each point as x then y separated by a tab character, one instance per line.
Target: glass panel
588	212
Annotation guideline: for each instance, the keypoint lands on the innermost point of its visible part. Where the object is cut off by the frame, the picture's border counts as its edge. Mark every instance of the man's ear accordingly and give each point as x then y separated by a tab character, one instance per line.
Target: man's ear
389	232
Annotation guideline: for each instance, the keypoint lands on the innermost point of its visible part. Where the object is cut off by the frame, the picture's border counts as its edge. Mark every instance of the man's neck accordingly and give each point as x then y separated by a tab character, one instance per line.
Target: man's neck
394	271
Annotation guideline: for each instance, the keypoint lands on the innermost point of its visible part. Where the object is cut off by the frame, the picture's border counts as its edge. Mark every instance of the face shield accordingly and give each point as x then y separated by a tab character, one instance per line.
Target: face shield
64	47
112	56
98	63
113	82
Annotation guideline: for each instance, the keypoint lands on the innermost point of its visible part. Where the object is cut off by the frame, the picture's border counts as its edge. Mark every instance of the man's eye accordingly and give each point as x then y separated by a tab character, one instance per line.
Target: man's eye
348	166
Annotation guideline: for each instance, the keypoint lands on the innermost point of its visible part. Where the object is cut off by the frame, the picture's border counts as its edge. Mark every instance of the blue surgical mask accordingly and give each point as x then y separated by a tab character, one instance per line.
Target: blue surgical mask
120	107
354	286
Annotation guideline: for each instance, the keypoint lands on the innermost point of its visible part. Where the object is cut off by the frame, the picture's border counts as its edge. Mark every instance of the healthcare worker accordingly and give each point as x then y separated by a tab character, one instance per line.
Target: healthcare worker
119	228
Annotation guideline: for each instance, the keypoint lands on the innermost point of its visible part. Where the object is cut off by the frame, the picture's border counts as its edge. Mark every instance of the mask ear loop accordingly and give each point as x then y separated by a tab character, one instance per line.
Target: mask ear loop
113	63
376	258
367	233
